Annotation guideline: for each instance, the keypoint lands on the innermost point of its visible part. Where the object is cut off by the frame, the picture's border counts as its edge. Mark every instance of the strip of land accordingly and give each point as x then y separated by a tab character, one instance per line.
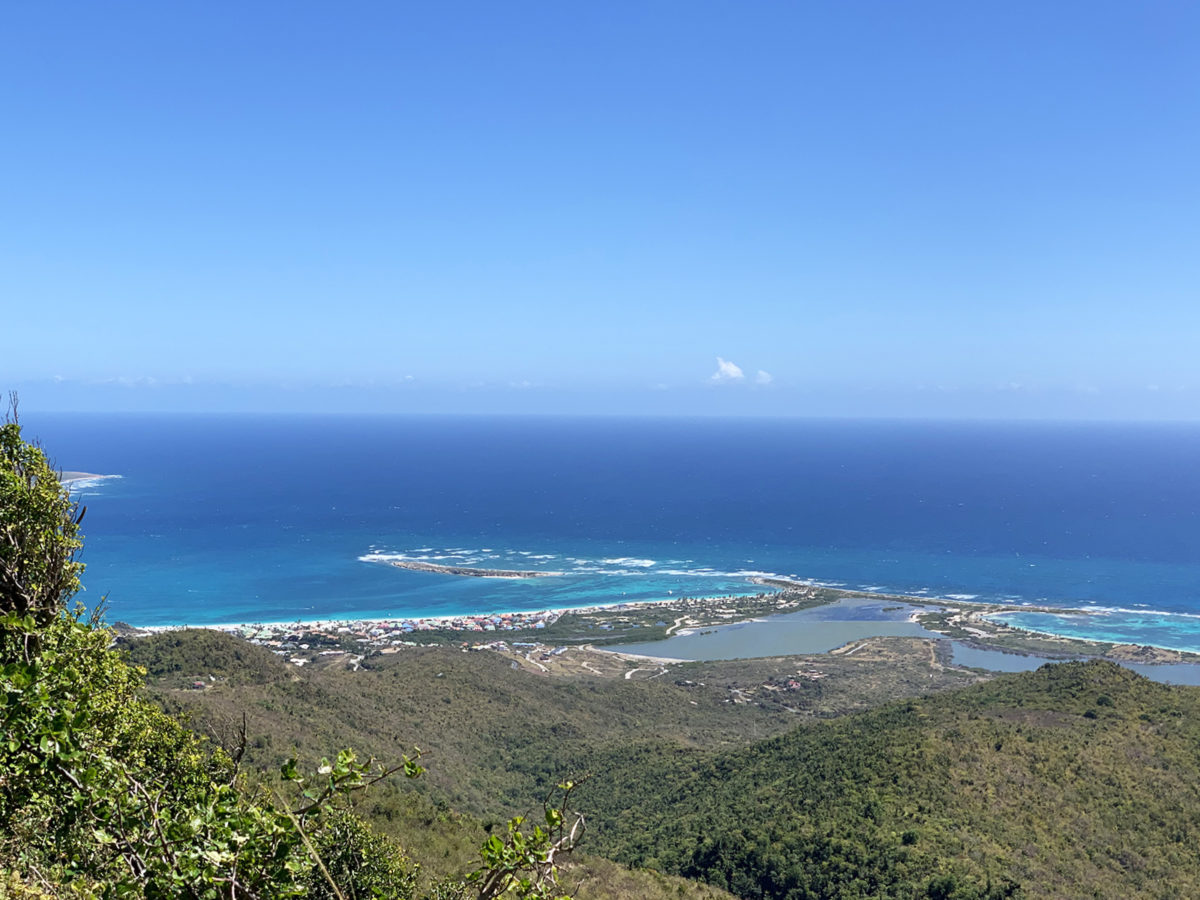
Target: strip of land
537	636
469	571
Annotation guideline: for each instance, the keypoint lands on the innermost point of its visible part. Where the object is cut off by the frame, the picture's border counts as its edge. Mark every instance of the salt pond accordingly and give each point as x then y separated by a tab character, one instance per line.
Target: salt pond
815	630
824	628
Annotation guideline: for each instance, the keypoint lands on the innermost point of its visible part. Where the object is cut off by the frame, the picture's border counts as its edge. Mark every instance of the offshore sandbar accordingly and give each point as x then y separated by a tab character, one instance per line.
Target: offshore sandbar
467	571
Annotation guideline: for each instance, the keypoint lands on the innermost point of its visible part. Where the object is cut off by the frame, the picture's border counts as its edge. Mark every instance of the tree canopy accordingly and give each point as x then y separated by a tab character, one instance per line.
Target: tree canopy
39	531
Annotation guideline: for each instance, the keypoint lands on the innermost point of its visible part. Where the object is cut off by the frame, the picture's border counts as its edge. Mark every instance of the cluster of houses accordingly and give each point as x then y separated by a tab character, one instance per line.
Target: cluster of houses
302	641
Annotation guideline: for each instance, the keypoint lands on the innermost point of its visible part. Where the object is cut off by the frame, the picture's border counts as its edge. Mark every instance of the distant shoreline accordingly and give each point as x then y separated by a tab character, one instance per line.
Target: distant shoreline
777	583
965	621
442	622
446	621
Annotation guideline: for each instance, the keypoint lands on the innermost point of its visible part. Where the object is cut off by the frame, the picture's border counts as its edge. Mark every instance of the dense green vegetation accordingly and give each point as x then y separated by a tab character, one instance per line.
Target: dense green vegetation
1081	779
1076	780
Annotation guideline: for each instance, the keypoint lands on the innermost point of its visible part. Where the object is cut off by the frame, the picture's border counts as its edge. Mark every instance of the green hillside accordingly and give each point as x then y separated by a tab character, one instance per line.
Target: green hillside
1078	780
493	736
294	711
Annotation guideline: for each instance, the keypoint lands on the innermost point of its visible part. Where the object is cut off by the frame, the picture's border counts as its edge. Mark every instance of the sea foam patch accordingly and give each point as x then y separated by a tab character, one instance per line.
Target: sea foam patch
652	570
87	482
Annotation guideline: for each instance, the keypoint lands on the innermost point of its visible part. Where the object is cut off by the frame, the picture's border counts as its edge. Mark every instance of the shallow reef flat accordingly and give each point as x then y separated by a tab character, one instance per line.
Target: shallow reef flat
468	571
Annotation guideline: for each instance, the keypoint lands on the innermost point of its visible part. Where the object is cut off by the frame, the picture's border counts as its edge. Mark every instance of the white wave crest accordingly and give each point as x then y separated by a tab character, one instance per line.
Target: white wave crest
75	485
383	557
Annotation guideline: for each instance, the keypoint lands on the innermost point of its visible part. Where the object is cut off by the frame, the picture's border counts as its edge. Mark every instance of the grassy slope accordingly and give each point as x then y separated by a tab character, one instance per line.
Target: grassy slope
312	713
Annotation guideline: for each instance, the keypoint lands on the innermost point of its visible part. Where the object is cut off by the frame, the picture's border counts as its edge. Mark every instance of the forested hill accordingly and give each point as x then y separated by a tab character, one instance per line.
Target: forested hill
1078	780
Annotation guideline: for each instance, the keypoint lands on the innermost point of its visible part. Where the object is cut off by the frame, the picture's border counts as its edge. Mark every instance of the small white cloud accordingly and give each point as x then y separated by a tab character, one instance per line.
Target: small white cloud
132	381
763	377
727	371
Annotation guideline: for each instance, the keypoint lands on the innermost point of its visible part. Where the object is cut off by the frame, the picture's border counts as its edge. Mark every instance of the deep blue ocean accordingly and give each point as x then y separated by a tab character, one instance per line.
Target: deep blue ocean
248	519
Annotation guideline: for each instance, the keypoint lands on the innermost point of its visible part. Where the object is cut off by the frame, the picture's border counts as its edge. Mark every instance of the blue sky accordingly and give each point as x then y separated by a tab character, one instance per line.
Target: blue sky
924	209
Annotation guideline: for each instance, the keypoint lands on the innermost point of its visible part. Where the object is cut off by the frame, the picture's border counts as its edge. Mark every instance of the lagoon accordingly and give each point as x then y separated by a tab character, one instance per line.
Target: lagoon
825	628
816	630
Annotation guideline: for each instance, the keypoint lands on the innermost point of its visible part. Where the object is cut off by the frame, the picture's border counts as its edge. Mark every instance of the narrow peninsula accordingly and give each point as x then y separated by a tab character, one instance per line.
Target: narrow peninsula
468	571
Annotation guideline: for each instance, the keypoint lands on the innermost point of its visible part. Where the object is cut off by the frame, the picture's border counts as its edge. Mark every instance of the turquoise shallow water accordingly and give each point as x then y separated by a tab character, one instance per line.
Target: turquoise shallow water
1160	629
241	518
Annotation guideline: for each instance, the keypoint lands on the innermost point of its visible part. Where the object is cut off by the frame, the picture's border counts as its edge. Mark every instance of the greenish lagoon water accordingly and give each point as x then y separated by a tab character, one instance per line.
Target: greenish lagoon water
815	630
824	628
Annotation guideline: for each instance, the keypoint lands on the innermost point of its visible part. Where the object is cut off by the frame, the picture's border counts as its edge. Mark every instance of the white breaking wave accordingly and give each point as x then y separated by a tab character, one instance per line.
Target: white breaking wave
625	566
82	484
